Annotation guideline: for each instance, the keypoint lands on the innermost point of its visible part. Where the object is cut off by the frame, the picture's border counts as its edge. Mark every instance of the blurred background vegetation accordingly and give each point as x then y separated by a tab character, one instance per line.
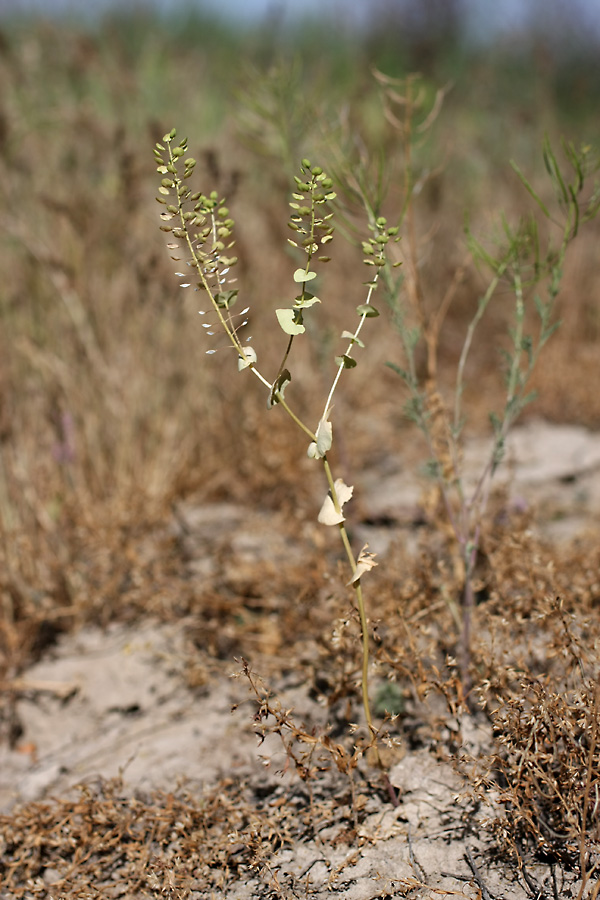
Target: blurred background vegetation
110	410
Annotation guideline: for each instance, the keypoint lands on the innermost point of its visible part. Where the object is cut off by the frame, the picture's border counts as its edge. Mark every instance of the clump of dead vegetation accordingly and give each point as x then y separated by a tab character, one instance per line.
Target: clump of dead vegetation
544	711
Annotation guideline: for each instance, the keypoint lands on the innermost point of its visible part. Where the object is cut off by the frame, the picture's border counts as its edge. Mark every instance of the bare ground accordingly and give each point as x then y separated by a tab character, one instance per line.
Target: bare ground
142	717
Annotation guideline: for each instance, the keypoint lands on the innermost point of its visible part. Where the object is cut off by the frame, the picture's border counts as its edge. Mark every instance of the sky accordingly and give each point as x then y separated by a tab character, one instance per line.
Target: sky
485	17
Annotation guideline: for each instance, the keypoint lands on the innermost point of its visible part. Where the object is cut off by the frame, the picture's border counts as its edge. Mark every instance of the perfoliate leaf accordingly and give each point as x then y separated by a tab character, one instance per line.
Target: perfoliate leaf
346	361
365	309
226	299
288	321
249	358
352	337
343	491
364	563
300	276
328	514
304	302
278	389
324	435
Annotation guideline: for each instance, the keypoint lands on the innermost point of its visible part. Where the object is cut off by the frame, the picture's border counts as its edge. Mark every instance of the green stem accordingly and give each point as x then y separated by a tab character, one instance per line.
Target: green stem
360	603
460	375
293	416
513	379
350	348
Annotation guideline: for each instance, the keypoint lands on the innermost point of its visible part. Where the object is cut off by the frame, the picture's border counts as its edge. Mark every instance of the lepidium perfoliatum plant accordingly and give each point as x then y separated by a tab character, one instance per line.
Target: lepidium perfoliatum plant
200	231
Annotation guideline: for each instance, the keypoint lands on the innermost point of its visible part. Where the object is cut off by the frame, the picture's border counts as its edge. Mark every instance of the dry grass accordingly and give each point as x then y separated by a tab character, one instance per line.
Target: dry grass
110	414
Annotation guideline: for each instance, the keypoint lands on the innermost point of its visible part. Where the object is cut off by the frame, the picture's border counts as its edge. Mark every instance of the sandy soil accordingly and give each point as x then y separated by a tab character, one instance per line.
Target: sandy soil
118	702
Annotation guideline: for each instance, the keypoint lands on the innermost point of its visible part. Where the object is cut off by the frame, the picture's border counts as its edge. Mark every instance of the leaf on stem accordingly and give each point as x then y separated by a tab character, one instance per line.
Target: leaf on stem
324	435
346	361
352	337
329	515
364	563
300	276
278	391
306	300
365	309
249	358
289	321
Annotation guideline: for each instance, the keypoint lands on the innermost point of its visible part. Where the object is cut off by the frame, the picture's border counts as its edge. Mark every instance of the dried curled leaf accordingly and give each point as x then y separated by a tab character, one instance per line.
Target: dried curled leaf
324	436
364	563
329	515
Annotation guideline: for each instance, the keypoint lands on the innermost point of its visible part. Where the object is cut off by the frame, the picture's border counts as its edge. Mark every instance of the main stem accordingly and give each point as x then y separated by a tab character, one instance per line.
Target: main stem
360	603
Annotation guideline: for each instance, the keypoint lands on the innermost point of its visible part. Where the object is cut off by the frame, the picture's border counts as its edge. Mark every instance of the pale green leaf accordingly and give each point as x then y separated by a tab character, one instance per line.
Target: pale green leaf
365	309
249	358
346	361
304	302
300	276
287	321
278	389
352	337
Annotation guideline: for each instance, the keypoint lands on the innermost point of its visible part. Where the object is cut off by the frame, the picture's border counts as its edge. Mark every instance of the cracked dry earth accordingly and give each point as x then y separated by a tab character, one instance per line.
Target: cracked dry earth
116	703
